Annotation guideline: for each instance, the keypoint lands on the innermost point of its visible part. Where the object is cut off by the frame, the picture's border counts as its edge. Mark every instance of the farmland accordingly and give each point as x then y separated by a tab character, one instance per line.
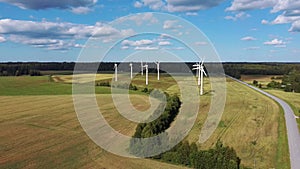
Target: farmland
43	131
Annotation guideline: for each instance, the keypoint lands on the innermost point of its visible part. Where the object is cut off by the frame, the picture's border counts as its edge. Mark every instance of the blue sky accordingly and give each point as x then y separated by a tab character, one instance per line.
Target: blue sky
240	30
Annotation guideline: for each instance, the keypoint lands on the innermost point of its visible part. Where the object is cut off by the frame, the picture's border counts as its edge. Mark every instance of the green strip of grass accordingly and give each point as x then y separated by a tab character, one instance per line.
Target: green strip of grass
282	158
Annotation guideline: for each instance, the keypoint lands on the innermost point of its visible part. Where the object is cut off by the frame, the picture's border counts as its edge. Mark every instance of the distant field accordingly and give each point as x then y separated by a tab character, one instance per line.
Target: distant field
43	132
39	85
263	79
252	124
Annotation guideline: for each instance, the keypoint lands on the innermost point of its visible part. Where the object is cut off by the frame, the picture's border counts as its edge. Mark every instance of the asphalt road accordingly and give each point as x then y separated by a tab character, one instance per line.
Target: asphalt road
291	125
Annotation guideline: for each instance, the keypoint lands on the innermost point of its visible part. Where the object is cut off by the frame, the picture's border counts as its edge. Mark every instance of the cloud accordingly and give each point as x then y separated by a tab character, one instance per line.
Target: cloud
191	5
142	42
2	39
252	48
139	19
164	43
201	43
55	35
171	24
81	10
289	8
243	5
177	5
275	42
248	38
191	14
295	27
138	4
46	4
240	15
264	22
152	4
146	48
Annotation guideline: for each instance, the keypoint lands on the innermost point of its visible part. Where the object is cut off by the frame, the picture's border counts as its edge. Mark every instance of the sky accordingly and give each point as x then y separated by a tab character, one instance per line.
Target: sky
239	30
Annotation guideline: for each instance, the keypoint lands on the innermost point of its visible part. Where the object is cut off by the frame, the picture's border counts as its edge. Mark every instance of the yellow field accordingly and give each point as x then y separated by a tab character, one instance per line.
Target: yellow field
82	78
44	132
250	124
263	79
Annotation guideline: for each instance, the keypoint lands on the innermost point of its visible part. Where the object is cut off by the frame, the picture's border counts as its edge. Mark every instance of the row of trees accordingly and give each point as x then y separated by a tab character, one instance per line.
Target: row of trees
215	158
183	153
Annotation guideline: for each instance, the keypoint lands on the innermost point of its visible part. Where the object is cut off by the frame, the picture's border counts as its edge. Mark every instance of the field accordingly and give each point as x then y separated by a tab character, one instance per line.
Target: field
262	79
43	131
291	98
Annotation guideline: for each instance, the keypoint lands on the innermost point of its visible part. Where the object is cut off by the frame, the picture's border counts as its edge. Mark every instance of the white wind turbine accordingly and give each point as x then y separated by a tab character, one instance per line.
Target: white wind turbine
142	70
116	72
146	66
157	65
130	65
200	70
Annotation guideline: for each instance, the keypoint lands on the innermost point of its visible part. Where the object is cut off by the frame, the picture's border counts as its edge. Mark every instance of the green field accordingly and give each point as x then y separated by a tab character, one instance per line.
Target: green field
43	131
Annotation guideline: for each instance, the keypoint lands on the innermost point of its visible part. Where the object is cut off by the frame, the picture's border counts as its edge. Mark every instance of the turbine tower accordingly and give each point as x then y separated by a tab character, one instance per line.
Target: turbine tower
146	66
200	71
116	72
142	70
157	65
130	65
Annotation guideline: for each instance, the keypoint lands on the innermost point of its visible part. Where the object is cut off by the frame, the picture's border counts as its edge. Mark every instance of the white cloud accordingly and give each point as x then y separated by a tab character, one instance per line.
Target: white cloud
142	42
252	48
146	48
171	24
139	19
152	4
138	4
240	15
191	14
191	5
45	4
164	43
248	38
283	5
2	39
295	27
264	22
55	35
177	5
242	5
283	19
275	42
81	10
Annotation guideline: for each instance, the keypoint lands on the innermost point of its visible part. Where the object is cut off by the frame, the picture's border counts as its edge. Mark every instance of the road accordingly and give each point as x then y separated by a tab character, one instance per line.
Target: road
291	125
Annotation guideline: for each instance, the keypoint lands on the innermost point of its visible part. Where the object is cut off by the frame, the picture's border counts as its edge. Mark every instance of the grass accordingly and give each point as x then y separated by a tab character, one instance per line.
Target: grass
251	124
43	132
39	85
291	98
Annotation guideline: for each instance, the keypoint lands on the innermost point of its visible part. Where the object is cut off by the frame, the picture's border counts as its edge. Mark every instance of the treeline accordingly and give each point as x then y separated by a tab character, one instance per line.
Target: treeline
215	158
238	69
290	82
183	153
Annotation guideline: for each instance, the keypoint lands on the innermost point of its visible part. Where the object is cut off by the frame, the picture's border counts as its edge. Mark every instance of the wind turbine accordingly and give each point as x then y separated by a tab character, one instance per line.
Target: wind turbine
130	65
201	71
146	66
116	72
142	70
157	65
